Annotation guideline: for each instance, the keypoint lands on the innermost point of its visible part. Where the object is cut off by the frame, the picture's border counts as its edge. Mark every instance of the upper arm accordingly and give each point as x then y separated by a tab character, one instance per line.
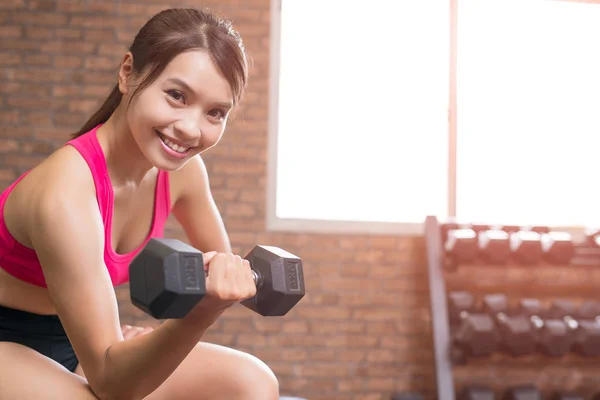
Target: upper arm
195	208
66	231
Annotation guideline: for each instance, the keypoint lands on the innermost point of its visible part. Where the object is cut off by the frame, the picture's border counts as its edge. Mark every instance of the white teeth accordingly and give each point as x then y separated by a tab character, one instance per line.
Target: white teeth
176	147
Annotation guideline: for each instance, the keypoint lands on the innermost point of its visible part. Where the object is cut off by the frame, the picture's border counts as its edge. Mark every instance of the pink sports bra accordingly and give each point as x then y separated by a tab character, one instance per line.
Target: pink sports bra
22	262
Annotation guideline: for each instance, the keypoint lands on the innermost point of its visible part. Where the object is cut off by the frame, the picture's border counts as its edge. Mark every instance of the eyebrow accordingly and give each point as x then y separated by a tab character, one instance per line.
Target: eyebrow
187	87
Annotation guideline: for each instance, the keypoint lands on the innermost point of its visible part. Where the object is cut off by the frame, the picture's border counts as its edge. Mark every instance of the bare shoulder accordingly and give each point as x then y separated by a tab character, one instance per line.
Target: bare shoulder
192	176
62	178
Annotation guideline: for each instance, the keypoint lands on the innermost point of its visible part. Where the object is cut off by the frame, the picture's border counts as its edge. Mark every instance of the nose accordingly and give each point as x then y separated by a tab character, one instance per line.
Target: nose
189	129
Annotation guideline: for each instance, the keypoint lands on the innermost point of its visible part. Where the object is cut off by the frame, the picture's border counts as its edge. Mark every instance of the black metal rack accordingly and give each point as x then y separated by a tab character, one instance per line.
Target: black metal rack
585	256
439	310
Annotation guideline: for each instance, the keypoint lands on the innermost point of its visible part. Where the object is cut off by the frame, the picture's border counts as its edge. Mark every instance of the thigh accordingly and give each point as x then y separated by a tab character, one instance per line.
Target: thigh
216	372
213	372
27	375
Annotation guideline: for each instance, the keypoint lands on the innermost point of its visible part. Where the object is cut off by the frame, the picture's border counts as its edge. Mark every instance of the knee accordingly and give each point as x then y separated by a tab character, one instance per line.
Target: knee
255	380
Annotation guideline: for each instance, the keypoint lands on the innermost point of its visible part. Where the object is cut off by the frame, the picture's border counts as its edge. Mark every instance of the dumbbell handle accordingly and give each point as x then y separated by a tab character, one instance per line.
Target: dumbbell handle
258	278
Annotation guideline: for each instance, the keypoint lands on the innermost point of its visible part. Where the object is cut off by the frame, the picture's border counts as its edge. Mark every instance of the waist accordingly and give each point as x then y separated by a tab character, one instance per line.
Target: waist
23	322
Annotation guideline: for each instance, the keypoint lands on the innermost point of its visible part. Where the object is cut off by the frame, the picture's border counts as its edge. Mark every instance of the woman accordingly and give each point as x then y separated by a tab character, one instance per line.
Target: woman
70	227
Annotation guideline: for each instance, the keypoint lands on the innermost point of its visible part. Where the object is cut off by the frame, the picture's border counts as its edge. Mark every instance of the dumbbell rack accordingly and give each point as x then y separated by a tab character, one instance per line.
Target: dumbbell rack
442	338
439	309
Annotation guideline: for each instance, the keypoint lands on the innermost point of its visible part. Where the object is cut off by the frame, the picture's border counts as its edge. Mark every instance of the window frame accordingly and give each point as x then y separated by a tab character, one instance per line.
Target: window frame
277	224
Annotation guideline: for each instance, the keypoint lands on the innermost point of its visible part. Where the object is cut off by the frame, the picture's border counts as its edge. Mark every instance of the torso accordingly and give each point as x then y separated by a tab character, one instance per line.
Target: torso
131	223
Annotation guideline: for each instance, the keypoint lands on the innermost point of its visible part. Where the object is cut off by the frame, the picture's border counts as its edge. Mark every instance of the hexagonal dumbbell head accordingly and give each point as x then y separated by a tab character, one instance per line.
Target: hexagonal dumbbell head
167	278
280	281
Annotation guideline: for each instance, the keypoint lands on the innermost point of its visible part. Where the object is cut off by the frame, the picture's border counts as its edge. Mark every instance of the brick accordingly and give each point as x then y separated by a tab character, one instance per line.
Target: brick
38	118
101	91
13	31
85	7
99	35
68	119
42	5
101	64
67	61
68	47
10	58
42	148
67	33
12	4
38	59
66	90
17	44
7	175
9	146
94	21
41	18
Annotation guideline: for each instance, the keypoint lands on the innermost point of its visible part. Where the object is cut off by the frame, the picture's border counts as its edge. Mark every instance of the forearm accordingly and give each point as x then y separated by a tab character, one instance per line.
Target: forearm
135	368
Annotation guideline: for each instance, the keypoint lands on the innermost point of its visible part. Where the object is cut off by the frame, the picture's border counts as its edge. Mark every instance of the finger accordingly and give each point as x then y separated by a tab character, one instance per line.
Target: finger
218	265
129	333
147	330
251	284
206	257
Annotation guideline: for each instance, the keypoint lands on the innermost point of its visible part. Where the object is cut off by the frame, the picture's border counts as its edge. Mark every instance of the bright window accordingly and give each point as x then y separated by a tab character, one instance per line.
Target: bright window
528	111
362	111
361	100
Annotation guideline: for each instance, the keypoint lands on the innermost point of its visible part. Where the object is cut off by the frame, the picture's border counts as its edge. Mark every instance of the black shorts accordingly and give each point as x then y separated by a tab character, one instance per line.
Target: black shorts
43	333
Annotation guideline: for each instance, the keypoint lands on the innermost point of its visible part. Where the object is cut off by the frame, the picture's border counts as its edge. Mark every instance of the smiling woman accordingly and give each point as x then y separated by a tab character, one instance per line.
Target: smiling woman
70	227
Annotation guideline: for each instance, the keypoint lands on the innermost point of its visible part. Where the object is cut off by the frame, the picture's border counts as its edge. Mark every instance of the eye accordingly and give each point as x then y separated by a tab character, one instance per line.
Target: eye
176	95
216	113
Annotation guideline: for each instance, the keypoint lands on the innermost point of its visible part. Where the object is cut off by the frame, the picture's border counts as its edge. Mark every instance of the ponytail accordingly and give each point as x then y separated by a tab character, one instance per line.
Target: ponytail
104	112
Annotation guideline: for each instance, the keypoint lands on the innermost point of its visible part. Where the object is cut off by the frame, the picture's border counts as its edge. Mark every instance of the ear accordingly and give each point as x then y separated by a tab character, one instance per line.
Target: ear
126	73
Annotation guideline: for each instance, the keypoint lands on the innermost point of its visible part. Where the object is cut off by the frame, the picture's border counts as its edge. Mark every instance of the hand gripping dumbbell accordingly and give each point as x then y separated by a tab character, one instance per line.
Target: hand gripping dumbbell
516	333
167	279
553	335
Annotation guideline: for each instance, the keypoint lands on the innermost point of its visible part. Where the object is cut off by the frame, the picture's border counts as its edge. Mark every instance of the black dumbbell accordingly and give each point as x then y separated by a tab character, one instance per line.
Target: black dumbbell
526	246
167	279
552	335
494	246
523	392
592	236
476	392
466	243
566	311
515	331
407	396
461	246
557	247
566	396
587	336
474	333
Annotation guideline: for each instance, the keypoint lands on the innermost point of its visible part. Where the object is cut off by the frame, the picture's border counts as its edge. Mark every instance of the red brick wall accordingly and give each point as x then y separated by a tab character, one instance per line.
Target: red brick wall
362	331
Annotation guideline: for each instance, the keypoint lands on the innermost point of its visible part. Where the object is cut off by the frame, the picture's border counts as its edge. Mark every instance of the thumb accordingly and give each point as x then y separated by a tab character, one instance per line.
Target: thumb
206	257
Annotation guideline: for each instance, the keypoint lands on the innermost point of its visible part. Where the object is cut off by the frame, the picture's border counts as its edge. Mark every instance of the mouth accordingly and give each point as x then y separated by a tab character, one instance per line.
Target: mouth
173	147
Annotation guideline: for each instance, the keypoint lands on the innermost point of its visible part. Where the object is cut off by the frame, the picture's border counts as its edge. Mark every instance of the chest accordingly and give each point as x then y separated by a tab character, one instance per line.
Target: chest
134	214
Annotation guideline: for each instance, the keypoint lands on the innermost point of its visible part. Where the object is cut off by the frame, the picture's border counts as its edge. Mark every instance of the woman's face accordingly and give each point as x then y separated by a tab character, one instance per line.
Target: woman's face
182	113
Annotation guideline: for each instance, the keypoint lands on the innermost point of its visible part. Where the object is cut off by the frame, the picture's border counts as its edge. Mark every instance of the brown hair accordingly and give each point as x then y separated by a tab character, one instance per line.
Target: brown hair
170	33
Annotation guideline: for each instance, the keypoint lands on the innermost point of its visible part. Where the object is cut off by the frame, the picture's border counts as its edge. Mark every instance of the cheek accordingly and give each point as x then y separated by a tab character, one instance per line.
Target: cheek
149	110
214	136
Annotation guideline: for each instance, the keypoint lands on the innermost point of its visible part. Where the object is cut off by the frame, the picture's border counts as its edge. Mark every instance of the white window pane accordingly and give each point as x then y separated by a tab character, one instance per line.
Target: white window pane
528	116
363	100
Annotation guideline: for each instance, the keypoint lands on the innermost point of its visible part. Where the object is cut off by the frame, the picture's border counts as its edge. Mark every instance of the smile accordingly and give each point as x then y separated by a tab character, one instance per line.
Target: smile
174	146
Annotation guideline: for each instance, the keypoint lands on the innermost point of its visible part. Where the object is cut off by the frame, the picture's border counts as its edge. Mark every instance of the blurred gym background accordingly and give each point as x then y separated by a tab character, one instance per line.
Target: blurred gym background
362	120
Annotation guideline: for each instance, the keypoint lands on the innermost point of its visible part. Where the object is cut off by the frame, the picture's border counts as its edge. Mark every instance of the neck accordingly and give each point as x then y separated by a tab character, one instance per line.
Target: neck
126	164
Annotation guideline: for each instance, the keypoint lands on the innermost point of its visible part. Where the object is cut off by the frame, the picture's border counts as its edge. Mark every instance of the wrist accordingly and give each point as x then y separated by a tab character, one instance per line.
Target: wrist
203	316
